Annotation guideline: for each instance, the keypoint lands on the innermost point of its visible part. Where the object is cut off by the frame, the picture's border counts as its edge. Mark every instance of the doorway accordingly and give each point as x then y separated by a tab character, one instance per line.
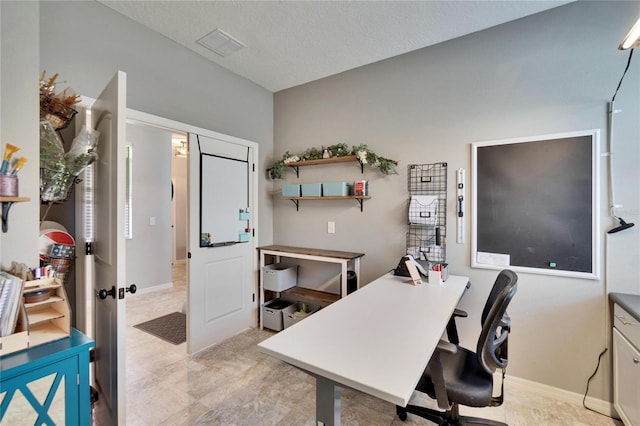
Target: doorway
103	197
180	151
157	223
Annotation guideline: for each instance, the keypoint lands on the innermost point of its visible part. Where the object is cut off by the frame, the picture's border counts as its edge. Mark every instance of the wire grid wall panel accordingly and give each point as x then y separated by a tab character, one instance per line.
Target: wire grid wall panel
427	212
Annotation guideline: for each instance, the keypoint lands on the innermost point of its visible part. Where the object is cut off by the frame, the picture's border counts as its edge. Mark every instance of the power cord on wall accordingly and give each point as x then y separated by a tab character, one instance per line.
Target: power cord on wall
584	399
622	224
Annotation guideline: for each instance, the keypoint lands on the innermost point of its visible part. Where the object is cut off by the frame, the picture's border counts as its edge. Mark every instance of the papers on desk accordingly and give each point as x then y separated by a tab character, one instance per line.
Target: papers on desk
423	210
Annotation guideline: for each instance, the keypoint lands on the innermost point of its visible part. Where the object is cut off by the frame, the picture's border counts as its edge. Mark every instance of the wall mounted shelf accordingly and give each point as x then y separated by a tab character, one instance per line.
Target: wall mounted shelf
7	202
358	198
348	158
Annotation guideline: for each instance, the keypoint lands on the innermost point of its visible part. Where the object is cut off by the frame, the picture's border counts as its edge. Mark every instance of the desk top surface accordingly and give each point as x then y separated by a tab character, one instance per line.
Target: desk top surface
313	251
377	340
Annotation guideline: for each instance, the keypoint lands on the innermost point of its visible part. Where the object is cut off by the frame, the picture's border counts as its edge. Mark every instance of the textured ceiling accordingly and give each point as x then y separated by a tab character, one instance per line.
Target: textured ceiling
294	42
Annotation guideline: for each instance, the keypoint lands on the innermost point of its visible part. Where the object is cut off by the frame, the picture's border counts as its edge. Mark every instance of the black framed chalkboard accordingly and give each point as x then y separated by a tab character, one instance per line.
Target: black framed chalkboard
535	204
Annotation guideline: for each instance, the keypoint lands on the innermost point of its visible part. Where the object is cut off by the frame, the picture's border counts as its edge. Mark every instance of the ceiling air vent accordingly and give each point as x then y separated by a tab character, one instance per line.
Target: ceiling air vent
221	43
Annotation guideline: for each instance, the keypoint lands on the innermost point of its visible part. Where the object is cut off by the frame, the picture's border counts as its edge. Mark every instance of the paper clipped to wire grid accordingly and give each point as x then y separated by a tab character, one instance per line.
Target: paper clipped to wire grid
423	210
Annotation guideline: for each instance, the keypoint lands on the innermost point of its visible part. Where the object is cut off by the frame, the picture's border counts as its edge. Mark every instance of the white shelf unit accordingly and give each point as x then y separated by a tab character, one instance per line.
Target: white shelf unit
344	259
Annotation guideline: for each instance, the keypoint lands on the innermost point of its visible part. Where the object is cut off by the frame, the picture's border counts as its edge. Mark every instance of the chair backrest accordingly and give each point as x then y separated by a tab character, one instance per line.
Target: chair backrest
496	324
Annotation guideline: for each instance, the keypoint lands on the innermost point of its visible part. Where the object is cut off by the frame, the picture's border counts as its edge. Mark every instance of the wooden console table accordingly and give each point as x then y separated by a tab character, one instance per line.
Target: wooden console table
342	258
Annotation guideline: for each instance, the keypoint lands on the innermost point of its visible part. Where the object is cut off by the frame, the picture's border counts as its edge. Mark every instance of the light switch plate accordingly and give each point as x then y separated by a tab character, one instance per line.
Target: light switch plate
331	227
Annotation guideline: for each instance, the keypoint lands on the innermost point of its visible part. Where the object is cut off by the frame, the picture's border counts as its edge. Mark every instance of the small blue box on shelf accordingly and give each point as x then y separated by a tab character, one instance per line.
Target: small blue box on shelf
291	190
311	189
330	189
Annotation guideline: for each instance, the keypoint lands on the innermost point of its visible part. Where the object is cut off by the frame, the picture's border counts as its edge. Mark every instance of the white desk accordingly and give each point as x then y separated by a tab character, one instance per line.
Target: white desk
377	340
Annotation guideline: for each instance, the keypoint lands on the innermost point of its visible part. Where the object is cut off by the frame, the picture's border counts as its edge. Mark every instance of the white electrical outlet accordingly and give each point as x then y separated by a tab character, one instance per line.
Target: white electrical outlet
331	227
152	220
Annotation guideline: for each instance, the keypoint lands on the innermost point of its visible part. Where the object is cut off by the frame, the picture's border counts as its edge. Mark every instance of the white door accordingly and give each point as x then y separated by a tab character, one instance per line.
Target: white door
108	117
221	182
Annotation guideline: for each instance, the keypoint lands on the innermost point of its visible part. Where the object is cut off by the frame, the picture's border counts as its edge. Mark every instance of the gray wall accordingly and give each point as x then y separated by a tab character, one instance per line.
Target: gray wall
87	43
549	73
19	114
148	252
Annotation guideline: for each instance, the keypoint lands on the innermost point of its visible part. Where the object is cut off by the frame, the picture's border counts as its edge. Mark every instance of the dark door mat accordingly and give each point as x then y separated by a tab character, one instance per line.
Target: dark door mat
171	327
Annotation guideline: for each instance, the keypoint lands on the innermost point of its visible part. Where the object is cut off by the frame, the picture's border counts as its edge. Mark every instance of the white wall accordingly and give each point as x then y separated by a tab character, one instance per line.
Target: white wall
87	43
148	252
19	114
549	73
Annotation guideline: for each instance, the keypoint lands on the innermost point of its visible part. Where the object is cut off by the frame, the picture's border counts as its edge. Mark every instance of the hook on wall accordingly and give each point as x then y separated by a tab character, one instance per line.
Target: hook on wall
621	227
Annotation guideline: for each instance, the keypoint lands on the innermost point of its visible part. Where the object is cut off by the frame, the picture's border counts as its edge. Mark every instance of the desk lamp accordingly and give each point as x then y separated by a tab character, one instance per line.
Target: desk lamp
623	225
632	39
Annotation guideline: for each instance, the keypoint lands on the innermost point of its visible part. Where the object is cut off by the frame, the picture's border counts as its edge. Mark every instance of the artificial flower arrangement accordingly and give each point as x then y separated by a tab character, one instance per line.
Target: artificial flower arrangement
364	155
59	170
56	106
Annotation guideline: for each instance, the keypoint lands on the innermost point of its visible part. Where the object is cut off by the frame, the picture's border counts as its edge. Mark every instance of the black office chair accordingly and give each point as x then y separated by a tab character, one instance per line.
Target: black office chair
457	376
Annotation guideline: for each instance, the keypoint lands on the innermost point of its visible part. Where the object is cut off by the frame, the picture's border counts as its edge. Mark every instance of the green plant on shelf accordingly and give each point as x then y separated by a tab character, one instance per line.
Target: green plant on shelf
363	153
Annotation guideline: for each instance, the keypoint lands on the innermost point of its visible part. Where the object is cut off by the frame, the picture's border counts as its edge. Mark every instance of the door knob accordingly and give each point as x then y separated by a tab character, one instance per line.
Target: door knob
132	289
102	294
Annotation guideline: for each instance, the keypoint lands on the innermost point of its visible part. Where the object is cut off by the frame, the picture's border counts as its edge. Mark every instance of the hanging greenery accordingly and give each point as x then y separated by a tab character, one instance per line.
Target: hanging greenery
365	156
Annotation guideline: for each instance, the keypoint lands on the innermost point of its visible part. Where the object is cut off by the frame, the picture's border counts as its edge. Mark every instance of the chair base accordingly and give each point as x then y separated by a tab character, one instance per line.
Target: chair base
444	418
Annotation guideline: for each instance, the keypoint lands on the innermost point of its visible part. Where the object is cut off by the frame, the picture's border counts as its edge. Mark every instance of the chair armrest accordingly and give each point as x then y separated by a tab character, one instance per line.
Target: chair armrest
436	372
443	345
459	313
452	329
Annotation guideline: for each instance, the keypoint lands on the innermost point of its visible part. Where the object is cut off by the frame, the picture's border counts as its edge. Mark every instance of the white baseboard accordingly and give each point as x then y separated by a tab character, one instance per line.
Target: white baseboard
603	407
152	289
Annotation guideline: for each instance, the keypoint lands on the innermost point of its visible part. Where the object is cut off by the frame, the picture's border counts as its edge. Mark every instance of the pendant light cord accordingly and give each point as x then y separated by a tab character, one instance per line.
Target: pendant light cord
623	74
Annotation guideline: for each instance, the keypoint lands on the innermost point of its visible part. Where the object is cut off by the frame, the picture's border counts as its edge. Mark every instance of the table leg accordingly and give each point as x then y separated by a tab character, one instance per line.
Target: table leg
261	295
343	280
327	402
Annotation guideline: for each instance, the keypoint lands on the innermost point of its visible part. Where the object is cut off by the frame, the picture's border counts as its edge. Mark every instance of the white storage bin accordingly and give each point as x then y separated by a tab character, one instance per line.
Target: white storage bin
272	313
295	314
279	276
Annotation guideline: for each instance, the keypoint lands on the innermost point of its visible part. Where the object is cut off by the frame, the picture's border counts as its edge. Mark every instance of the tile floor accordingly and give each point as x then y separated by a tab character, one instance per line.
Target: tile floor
233	384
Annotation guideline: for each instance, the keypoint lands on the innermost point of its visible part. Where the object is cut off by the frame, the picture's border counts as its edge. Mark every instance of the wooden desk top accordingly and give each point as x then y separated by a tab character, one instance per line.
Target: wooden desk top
313	252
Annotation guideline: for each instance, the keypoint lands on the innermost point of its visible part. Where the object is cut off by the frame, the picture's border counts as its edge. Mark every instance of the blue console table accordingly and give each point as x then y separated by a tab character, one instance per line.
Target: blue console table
44	368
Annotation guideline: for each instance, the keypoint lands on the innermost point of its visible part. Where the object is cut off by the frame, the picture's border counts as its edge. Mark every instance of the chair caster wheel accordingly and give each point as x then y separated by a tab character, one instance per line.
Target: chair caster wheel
401	412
